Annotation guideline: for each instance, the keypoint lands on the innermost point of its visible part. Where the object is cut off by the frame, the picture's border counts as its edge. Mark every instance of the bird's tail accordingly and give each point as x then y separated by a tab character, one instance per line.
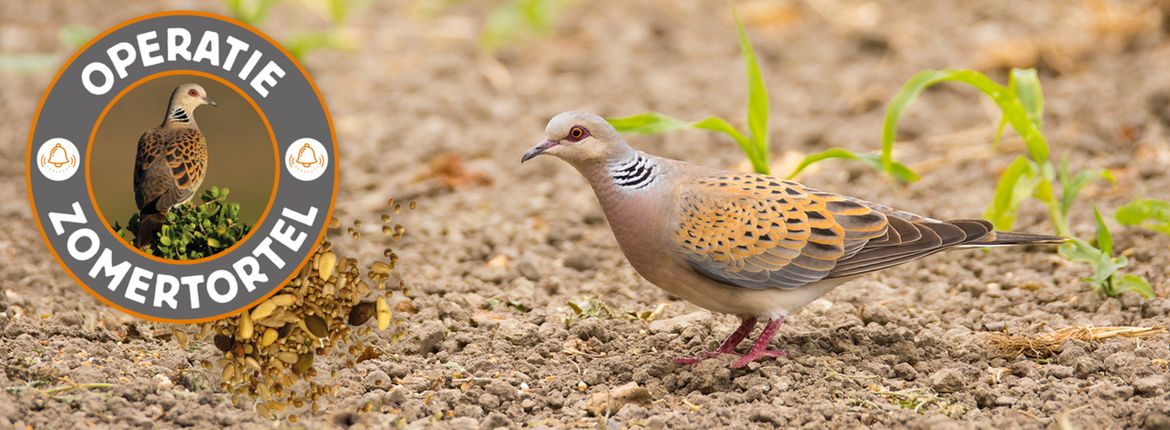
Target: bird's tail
1007	238
148	227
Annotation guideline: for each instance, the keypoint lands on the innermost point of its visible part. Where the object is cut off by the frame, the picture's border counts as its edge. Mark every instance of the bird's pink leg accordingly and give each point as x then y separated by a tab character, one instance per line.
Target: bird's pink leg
760	348
728	346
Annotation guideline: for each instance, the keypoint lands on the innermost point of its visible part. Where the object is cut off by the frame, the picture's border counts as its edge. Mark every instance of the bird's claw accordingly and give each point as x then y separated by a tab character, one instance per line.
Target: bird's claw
756	355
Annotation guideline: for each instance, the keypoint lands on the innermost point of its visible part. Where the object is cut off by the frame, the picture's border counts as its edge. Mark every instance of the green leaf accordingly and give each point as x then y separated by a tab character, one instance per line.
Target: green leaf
302	44
1026	84
513	20
899	171
212	242
1073	187
1016	183
757	94
1151	214
1104	266
655	123
1015	113
1136	284
647	123
1104	238
75	36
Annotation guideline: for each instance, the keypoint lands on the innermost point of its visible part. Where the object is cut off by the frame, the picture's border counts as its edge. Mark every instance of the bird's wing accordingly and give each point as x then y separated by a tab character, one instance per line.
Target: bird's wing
147	184
759	232
169	167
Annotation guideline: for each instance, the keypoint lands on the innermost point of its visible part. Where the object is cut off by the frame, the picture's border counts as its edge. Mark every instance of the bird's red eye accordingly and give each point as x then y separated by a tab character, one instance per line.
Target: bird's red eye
577	133
193	93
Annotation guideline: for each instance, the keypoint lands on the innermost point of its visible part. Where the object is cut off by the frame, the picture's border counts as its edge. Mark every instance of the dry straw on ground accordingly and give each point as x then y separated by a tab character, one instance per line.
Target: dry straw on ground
1045	345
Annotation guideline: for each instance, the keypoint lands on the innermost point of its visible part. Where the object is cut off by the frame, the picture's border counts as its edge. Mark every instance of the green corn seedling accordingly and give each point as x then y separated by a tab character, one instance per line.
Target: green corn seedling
1029	176
754	143
301	44
517	19
1151	214
1106	278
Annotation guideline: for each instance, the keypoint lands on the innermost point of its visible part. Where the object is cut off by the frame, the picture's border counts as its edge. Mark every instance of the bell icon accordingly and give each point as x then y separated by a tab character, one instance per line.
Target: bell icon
58	157
306	156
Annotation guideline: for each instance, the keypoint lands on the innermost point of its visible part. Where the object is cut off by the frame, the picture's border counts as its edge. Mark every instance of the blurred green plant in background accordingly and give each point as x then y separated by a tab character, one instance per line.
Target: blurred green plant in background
754	144
256	12
1030	176
1151	214
193	231
72	37
515	20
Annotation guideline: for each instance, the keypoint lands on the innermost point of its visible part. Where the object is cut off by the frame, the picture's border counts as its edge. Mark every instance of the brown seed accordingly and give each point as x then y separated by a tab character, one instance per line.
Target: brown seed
284	330
381	268
386	218
384	314
317	326
303	363
326	265
224	343
263	310
283	299
387	230
246	328
334	222
361	313
251	362
287	357
268	338
263	411
229	371
181	338
413	205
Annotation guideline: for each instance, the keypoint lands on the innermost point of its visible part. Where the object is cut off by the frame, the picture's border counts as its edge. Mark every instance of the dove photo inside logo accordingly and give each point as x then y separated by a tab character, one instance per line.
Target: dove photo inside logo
205	182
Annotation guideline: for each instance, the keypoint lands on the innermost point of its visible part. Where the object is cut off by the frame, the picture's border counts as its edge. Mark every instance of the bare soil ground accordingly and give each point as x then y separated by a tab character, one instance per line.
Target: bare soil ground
494	259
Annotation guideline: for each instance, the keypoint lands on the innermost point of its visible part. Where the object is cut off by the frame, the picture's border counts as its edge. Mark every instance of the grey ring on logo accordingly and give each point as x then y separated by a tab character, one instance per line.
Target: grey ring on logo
279	244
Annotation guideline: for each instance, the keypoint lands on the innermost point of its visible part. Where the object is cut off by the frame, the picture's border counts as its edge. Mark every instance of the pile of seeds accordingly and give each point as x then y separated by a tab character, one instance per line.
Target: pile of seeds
269	350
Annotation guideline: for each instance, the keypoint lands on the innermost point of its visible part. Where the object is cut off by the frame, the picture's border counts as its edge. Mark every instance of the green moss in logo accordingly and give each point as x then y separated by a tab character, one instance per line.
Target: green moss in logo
193	231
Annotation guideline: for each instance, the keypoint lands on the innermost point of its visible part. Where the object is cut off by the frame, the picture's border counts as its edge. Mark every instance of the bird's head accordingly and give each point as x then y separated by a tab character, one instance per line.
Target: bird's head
579	138
190	96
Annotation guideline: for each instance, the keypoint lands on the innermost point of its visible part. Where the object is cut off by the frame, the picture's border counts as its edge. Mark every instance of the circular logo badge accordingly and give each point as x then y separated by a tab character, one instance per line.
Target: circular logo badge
182	167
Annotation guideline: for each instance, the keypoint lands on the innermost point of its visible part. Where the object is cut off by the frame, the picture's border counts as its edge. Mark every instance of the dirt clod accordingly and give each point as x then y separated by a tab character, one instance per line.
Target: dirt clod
609	402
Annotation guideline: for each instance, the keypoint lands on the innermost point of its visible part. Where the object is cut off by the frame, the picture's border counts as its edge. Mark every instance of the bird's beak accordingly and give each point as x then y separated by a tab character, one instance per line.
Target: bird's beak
210	102
538	149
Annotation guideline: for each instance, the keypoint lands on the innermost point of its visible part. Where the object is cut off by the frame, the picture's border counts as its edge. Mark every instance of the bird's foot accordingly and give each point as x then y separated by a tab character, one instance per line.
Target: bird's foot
727	347
756	355
760	348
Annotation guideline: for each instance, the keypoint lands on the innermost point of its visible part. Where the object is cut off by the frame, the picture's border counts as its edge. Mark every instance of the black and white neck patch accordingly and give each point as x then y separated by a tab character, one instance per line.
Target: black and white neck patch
634	173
